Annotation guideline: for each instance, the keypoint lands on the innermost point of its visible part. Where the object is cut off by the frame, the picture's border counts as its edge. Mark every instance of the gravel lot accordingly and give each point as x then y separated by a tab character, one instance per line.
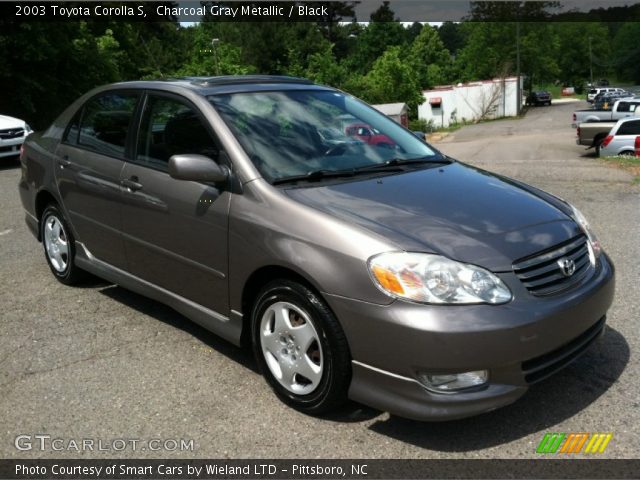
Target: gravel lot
100	362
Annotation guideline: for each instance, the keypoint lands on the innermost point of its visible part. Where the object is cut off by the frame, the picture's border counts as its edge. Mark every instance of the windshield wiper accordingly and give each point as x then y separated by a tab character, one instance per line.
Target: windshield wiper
314	175
394	163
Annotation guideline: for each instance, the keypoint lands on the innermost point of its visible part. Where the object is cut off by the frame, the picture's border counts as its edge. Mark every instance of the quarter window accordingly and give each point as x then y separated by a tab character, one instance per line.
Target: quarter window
171	127
105	123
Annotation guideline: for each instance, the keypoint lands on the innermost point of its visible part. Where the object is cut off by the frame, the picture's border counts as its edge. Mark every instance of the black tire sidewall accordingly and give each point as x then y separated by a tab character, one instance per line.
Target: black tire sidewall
68	274
329	390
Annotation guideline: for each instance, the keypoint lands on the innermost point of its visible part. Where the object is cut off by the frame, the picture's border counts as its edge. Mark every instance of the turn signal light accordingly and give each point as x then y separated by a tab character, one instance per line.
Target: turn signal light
387	279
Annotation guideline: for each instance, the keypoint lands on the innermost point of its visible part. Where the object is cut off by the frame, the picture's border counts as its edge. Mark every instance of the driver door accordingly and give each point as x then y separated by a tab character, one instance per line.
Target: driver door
175	231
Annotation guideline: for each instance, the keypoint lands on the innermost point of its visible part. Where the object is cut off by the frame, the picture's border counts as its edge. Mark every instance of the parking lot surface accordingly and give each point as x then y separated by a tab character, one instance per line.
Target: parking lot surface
100	362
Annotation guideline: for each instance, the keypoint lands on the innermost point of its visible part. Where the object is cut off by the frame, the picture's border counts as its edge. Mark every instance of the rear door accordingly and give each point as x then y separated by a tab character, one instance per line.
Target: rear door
175	231
89	162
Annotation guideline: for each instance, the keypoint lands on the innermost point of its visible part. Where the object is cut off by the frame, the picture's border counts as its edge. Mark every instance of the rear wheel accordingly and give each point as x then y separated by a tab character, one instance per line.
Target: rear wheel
59	246
300	347
627	153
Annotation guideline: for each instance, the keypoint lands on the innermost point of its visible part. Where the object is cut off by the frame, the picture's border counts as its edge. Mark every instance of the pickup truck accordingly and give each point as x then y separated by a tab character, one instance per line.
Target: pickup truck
621	109
591	134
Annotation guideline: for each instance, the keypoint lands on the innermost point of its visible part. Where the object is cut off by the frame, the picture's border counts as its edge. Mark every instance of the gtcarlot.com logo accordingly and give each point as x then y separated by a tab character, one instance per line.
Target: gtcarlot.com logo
574	443
45	442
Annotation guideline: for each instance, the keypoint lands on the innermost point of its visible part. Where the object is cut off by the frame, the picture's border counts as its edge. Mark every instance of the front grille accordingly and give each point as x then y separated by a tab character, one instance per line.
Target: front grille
11	133
541	367
541	273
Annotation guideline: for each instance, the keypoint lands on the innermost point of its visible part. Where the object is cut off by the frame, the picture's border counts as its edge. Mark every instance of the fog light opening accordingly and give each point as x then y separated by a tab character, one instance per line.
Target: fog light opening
453	382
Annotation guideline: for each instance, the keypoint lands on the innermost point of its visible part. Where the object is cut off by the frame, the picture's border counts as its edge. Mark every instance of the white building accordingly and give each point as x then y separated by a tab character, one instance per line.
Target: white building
450	104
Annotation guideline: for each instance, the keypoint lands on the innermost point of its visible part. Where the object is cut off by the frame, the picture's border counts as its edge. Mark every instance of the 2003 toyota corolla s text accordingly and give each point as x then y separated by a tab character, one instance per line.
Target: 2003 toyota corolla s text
388	273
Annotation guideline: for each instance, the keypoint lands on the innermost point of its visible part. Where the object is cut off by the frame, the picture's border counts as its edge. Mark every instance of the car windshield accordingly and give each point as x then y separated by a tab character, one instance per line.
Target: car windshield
299	132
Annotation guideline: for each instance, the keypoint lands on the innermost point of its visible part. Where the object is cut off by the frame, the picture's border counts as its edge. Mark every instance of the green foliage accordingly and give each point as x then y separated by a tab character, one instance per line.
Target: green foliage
429	58
393	80
47	65
626	49
420	125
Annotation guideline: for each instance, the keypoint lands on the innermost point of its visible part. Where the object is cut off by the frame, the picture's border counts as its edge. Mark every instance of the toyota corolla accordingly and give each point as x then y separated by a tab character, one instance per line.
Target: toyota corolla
392	275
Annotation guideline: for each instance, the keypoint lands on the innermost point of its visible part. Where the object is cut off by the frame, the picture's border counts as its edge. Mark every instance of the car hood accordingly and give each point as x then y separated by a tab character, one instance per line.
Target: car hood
10	122
455	210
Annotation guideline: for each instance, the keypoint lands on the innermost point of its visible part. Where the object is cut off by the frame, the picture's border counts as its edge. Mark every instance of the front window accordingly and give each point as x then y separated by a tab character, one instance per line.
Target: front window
171	127
293	133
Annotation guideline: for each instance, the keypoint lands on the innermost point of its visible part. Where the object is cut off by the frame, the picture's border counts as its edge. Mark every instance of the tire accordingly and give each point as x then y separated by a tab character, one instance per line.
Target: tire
59	246
300	347
627	153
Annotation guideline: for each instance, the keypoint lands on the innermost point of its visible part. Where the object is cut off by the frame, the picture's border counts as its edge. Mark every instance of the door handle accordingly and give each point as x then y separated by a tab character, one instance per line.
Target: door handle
131	183
64	161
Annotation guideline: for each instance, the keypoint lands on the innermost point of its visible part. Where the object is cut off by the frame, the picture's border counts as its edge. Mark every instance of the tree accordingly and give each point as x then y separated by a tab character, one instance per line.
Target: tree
209	58
392	80
452	36
429	58
383	31
626	60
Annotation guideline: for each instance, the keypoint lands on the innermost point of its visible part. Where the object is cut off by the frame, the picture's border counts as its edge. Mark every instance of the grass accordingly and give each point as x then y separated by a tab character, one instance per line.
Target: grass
627	163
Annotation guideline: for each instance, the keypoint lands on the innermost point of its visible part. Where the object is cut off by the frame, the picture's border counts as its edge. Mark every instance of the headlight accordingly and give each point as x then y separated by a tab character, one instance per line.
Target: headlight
595	249
27	129
429	278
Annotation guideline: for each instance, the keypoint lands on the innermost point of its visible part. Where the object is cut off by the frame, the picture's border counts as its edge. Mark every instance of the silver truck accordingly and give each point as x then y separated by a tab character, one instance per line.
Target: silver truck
622	108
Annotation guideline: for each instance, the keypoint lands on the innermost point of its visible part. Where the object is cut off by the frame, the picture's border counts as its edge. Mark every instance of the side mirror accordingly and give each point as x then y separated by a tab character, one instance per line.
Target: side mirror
197	168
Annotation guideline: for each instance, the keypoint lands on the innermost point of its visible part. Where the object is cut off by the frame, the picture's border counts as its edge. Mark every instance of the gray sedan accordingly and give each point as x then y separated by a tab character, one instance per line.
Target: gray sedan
394	276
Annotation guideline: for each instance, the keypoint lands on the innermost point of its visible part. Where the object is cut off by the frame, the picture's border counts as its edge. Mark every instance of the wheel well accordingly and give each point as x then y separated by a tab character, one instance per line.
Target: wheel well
256	281
597	140
43	198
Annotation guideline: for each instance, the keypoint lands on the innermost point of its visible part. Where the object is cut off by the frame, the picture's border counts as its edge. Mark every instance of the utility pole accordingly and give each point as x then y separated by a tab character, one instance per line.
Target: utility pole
518	93
214	45
590	64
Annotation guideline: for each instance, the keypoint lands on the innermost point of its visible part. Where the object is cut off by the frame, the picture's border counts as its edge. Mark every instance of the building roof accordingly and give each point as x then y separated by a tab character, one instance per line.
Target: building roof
391	108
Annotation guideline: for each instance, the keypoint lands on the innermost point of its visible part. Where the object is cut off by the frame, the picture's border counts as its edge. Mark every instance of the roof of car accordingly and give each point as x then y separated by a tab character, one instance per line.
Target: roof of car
230	83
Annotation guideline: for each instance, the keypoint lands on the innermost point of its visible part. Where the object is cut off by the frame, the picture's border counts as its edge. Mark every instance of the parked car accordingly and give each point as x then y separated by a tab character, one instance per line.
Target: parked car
370	135
594	91
13	131
621	109
592	134
606	101
400	278
621	139
539	98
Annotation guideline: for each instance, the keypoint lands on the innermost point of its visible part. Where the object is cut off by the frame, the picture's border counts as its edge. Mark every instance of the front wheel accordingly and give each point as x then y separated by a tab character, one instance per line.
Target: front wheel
300	347
59	246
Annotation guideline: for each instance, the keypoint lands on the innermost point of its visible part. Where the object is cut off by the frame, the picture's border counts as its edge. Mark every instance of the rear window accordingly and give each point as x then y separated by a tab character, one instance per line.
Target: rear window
105	123
629	128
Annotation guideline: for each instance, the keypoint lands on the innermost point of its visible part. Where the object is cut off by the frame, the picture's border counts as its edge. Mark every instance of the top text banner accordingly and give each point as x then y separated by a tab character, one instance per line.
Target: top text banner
302	11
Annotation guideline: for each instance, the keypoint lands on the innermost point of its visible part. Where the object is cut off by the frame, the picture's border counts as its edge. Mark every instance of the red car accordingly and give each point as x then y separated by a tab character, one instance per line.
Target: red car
369	135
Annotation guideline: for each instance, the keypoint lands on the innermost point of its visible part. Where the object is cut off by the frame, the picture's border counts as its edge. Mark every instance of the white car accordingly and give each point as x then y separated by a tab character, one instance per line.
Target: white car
13	131
621	138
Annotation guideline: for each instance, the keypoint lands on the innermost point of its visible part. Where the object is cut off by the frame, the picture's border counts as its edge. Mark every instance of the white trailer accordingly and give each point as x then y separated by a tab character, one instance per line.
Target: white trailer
470	102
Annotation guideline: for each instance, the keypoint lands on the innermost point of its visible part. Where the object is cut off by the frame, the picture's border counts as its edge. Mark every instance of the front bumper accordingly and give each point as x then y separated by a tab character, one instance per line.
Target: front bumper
519	343
11	147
